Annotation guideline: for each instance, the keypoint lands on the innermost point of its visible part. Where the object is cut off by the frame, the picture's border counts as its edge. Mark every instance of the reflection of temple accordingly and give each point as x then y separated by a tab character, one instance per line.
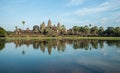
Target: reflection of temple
60	45
43	44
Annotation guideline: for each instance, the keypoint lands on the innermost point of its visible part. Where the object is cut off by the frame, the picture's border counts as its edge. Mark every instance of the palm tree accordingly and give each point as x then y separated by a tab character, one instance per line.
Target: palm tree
100	31
76	29
63	29
86	30
90	25
94	30
117	31
36	29
23	22
81	30
110	31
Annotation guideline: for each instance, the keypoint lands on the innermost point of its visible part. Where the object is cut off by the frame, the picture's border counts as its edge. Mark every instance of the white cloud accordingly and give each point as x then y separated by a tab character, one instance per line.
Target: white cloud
87	11
109	5
104	4
103	13
75	2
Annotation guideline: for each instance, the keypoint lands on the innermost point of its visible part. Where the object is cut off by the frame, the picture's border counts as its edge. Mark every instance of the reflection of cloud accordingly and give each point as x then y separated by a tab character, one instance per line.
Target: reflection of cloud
99	64
118	51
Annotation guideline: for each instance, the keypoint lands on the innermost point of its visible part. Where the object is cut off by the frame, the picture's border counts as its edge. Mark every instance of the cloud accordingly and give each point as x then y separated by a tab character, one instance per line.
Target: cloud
109	5
87	11
104	13
75	2
106	6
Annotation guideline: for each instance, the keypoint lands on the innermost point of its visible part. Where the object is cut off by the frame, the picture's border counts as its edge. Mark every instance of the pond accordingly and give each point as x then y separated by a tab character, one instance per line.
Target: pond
59	56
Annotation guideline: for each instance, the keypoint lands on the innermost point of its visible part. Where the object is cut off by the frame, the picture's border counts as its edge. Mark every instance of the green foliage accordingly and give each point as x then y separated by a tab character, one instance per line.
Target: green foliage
36	29
2	44
23	22
2	32
111	31
84	31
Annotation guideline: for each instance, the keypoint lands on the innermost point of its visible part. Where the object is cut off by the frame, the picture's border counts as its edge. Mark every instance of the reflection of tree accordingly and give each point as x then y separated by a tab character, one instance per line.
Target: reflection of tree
118	44
94	44
35	44
60	45
23	52
18	43
110	43
81	44
2	44
101	43
113	42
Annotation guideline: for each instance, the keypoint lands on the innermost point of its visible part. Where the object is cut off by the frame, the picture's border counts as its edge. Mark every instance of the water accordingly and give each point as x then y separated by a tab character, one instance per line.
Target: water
59	56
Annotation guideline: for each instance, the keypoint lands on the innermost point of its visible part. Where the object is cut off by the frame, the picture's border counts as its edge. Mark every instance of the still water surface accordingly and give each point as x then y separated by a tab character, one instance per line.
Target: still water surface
59	56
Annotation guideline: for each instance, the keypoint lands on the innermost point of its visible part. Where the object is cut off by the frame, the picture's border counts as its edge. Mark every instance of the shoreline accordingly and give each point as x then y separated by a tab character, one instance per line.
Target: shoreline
60	37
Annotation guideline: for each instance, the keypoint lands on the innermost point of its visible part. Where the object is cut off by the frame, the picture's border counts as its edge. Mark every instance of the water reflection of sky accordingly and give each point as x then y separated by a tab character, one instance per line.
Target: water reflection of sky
100	60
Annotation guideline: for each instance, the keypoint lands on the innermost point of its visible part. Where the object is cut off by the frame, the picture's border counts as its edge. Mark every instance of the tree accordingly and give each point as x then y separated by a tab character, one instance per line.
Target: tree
2	44
110	31
94	30
75	29
90	25
81	30
117	31
63	30
23	22
100	31
2	32
86	30
36	29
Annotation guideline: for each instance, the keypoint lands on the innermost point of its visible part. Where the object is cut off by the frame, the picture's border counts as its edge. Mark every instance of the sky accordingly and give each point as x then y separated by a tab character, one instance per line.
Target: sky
105	13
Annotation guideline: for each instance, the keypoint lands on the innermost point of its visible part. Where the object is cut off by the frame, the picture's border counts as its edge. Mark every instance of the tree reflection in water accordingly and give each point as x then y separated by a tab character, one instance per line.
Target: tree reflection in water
60	45
2	44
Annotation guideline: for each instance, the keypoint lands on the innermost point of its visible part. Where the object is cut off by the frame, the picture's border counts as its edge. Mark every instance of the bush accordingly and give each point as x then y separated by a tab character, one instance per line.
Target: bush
2	32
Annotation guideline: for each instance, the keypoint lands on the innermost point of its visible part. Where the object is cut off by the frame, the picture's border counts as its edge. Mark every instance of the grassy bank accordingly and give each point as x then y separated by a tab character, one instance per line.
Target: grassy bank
74	38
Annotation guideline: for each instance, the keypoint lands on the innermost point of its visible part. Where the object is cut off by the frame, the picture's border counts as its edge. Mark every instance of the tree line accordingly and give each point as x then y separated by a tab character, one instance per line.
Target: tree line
2	32
94	31
60	30
87	30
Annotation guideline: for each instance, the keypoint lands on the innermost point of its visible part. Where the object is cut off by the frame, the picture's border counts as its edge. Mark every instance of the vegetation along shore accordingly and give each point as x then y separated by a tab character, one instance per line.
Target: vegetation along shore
59	31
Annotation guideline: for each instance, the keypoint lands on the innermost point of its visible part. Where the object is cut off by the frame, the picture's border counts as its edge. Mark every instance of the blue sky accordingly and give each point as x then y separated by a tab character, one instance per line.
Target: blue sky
68	12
